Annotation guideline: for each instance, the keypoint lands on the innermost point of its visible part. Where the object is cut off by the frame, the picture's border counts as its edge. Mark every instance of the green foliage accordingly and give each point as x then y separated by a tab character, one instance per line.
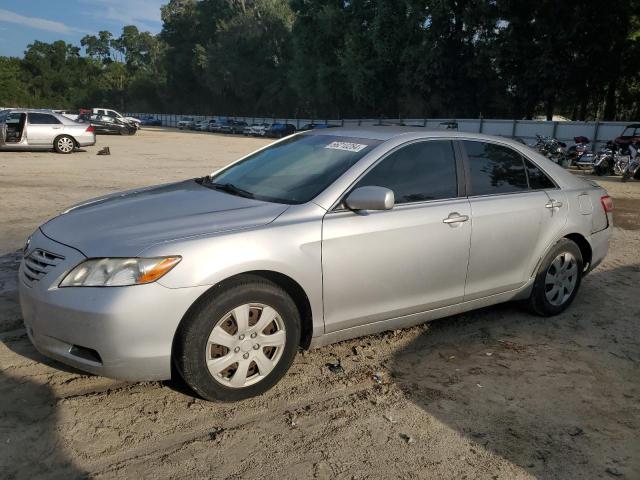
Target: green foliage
350	58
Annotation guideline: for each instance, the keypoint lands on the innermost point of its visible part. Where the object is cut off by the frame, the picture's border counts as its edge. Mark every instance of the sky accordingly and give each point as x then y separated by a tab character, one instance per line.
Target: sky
23	21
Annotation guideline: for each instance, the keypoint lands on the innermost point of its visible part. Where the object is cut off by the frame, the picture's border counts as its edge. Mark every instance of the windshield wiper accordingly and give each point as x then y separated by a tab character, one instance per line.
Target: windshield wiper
226	187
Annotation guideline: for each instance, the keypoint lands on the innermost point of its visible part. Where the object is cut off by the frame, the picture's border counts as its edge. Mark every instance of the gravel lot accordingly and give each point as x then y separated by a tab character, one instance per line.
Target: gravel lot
496	393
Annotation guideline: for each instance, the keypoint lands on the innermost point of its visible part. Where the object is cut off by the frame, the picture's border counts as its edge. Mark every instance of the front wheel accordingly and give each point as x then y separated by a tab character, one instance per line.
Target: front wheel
558	279
239	341
64	144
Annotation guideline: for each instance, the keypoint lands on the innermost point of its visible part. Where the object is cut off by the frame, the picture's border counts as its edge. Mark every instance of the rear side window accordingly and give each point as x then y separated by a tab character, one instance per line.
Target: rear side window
495	169
418	172
538	180
42	119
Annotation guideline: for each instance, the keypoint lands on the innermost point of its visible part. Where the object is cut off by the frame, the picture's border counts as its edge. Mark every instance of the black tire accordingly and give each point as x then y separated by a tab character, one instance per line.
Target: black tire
62	142
191	339
538	301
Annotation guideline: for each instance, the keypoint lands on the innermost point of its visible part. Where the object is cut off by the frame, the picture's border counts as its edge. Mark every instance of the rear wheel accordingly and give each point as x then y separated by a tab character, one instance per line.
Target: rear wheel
558	279
64	144
238	342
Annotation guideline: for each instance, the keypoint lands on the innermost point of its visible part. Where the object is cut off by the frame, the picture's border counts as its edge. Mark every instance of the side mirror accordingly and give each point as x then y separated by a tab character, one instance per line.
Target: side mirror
370	198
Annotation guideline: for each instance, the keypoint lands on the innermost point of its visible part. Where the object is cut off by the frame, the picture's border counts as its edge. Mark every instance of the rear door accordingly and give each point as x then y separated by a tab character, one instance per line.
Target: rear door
410	259
42	128
513	217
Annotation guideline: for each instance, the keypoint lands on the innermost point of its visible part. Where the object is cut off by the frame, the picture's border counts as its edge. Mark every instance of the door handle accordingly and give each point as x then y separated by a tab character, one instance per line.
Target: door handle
455	217
553	204
56	128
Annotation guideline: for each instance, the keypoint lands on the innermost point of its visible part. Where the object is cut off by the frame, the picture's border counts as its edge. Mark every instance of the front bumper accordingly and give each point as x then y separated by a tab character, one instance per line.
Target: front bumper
118	332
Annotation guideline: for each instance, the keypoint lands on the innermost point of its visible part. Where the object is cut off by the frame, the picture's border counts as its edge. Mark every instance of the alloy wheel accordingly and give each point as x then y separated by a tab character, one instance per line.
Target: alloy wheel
245	345
65	144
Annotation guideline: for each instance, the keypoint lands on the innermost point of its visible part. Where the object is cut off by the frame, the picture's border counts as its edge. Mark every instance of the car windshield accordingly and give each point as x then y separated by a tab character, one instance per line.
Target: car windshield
629	132
295	170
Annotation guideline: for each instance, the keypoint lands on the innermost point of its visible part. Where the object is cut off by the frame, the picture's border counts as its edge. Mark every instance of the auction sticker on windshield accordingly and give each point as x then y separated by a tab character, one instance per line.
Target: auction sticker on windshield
349	147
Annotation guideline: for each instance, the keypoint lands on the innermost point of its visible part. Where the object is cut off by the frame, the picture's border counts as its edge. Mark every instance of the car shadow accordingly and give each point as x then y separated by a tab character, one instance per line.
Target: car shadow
553	396
31	447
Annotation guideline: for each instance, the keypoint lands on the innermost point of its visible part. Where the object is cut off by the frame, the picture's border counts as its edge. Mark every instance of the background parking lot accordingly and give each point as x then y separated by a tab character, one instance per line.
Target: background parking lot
494	393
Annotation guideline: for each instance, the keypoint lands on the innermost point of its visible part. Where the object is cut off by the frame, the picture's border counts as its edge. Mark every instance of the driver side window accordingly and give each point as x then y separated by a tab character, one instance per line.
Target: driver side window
419	172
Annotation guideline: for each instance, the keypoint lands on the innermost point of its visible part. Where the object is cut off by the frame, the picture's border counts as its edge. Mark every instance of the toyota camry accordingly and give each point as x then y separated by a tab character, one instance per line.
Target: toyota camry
320	237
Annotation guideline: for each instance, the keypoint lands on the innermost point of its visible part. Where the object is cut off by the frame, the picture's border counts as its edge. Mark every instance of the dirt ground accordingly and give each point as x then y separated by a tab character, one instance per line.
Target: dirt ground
492	394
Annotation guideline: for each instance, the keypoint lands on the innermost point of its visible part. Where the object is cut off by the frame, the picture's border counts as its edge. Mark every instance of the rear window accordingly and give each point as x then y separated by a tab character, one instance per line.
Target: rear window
495	169
42	119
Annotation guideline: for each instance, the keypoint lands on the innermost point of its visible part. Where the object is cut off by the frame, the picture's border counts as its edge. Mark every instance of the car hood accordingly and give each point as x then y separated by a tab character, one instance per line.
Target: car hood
124	224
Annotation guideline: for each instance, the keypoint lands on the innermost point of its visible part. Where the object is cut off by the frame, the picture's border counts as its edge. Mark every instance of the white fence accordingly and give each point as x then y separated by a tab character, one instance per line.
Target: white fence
598	132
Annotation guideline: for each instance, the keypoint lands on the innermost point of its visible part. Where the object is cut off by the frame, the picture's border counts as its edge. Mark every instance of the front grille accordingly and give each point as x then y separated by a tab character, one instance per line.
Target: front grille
38	263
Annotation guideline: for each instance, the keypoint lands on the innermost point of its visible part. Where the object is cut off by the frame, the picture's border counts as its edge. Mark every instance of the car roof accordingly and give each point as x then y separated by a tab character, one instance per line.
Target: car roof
633	125
385	133
31	110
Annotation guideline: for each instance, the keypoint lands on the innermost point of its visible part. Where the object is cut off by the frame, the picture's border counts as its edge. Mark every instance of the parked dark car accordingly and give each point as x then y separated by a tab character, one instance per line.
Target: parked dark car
314	126
631	134
151	121
279	130
232	126
238	127
104	124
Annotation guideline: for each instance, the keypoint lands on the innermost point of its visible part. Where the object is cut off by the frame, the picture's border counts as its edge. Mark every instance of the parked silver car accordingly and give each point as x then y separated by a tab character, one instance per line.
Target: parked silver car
41	129
320	237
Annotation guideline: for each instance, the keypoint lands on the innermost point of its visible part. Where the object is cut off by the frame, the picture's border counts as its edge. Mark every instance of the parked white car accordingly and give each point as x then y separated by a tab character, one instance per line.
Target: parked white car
186	122
257	129
203	125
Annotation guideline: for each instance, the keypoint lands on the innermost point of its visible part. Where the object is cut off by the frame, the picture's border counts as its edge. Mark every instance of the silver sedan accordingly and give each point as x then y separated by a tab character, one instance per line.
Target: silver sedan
42	130
317	238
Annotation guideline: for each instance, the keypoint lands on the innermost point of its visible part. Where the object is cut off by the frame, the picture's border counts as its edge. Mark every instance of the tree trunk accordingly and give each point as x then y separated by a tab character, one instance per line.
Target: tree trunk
549	106
610	106
582	113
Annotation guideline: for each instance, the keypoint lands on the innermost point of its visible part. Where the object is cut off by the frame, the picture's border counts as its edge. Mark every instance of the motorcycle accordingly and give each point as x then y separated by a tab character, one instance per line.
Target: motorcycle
613	159
604	160
632	170
552	148
577	151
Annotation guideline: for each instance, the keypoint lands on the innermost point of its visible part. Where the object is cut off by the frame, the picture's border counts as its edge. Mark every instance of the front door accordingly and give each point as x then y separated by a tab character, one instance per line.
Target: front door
386	264
15	126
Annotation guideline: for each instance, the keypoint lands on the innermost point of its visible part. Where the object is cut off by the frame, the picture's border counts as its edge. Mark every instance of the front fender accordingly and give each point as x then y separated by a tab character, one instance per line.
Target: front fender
290	246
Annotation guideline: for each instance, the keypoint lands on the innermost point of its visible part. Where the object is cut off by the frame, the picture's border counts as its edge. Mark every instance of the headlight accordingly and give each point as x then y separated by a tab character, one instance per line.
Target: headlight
118	272
25	249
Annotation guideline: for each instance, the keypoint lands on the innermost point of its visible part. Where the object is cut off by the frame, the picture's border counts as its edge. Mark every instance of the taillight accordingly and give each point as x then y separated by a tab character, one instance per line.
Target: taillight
90	129
607	203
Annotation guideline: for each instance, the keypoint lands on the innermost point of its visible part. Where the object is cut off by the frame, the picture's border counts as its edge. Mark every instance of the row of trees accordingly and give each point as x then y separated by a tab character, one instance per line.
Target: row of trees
348	58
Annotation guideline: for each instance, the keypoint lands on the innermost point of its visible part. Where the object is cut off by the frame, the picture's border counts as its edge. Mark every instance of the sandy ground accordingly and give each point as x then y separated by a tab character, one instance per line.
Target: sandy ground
495	394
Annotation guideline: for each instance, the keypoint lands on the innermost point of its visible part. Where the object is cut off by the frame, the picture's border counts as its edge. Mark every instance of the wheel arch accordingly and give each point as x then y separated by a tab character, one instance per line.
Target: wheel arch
288	284
75	140
584	246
